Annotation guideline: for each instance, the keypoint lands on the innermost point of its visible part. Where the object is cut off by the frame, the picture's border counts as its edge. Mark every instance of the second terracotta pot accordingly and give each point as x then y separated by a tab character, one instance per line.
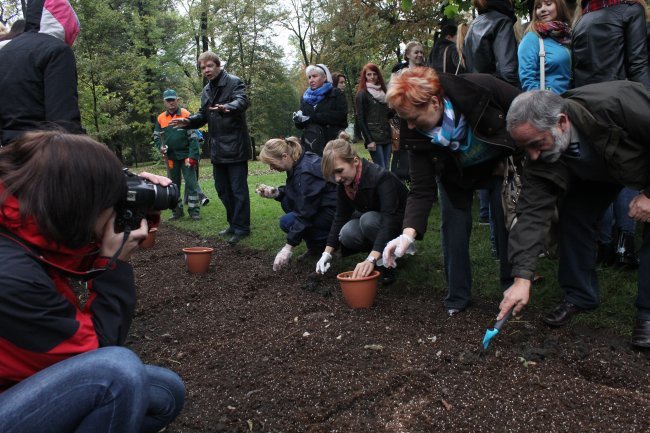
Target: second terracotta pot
358	292
150	240
198	259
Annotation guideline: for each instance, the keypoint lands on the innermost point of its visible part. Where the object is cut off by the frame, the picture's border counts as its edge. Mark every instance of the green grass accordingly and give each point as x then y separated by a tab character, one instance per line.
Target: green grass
423	271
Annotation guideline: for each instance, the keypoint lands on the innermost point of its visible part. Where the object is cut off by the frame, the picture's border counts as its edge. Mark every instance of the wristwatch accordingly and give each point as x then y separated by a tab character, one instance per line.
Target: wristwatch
371	259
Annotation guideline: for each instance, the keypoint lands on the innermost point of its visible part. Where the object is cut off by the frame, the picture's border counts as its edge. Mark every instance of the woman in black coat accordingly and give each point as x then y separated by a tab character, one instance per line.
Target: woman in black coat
323	110
369	207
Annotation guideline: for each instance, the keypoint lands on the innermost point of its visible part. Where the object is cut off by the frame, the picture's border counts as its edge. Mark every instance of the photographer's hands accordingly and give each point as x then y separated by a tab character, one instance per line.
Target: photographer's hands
154	178
111	241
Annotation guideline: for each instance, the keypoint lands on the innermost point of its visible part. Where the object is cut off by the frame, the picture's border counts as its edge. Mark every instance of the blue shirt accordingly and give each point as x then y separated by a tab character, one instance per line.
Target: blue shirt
557	64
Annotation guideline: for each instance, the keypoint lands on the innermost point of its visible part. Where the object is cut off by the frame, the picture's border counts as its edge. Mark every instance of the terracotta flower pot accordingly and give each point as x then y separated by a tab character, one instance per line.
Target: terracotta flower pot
358	292
198	259
150	239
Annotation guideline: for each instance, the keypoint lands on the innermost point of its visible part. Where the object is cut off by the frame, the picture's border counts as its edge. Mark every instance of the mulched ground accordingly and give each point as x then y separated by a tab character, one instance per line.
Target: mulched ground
266	351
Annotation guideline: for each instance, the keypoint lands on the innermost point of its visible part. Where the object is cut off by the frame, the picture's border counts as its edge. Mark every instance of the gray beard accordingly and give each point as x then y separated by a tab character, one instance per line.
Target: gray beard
560	144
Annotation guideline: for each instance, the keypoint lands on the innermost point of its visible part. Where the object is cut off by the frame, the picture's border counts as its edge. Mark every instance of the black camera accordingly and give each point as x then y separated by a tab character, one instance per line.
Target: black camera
141	198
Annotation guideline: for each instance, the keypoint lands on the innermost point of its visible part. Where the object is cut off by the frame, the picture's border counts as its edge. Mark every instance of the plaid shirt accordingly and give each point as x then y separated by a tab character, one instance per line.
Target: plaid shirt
594	5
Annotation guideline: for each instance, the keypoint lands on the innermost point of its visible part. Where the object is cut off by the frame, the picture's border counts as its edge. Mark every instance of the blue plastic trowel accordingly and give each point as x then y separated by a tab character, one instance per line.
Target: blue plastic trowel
494	330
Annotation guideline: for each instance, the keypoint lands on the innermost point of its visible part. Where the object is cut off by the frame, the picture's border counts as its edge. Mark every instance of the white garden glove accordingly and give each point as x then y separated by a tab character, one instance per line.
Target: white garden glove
324	263
267	191
403	244
299	118
282	258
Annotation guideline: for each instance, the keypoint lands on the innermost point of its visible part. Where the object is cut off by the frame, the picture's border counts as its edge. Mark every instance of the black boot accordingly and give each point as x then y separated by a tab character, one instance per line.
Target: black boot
388	275
625	253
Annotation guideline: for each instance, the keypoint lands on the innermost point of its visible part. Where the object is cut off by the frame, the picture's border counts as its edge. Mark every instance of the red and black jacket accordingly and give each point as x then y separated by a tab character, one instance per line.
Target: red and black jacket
41	319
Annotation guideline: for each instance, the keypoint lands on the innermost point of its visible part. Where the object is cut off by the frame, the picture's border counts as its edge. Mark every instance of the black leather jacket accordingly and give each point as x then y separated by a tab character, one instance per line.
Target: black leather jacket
491	48
610	44
229	139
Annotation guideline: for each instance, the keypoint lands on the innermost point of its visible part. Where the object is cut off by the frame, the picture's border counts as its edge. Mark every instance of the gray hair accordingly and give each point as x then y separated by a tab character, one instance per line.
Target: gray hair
540	108
321	70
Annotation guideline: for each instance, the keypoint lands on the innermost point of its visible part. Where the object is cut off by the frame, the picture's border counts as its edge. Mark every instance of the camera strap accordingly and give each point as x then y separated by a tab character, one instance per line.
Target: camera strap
80	275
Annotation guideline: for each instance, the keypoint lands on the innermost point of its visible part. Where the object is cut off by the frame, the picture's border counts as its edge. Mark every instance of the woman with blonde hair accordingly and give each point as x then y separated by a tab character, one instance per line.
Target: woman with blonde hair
307	199
370	205
545	48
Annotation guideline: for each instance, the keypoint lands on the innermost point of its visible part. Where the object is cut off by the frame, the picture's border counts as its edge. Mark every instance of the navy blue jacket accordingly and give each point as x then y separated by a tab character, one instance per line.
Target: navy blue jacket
307	194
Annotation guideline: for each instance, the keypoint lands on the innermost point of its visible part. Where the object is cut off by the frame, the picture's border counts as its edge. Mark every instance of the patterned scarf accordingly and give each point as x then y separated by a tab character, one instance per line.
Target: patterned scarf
351	190
376	92
450	134
313	97
557	30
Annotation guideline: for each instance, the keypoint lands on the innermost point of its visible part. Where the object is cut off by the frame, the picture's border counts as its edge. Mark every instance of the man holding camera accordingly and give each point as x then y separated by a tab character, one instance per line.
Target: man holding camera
182	152
223	108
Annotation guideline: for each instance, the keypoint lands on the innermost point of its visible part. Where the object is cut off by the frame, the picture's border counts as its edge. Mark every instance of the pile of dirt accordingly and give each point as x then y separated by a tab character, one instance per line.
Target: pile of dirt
281	352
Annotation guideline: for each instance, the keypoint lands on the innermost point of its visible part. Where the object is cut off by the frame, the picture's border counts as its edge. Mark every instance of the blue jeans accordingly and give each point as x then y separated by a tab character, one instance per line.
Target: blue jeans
617	213
315	236
484	204
359	234
105	390
231	183
381	156
455	231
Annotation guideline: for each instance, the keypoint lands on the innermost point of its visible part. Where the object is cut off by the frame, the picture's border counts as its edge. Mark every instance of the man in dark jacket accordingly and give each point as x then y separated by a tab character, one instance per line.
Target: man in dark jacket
223	108
582	147
38	73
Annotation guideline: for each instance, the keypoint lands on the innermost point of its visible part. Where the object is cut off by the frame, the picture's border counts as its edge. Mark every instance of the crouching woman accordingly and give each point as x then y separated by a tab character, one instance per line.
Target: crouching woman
370	207
307	199
61	365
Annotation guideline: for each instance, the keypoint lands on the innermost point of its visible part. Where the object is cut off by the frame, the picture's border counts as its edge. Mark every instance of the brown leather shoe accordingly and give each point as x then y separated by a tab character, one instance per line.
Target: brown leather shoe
562	314
641	334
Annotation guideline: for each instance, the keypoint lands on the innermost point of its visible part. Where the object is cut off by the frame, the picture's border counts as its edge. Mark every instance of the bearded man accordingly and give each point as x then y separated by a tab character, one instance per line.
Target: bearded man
582	148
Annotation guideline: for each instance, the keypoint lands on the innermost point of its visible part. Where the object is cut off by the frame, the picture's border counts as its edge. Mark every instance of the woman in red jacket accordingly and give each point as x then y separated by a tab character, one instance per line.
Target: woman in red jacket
61	367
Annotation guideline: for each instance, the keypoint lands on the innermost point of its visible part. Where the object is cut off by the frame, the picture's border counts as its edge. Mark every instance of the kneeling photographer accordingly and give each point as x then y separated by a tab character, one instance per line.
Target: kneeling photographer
61	367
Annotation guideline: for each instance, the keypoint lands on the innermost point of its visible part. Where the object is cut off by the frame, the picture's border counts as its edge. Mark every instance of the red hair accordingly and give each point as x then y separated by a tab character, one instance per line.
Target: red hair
374	68
414	88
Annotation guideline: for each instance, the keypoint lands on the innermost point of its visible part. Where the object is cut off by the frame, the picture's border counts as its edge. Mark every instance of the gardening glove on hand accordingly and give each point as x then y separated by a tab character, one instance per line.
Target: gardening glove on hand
403	244
299	118
282	258
324	263
267	191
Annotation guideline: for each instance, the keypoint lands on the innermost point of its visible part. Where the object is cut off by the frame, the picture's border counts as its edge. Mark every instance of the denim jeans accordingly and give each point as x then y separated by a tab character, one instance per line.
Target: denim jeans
105	390
315	237
617	213
381	156
231	183
359	234
455	231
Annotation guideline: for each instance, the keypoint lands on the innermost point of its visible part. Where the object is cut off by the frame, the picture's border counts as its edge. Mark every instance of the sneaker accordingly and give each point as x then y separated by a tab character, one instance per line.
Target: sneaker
484	221
205	201
226	232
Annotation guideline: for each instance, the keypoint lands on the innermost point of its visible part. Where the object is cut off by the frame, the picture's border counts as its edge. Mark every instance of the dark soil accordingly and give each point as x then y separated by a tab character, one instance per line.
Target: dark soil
281	352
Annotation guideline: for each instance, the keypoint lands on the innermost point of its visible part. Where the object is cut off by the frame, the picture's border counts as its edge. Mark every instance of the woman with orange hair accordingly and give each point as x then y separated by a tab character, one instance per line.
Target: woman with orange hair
373	113
454	129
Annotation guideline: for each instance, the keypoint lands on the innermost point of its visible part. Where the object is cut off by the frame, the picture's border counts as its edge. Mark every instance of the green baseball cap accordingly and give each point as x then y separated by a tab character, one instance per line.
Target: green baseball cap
169	94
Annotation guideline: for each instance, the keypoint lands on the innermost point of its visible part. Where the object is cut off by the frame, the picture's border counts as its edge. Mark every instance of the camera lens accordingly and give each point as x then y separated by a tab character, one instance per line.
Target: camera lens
165	197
